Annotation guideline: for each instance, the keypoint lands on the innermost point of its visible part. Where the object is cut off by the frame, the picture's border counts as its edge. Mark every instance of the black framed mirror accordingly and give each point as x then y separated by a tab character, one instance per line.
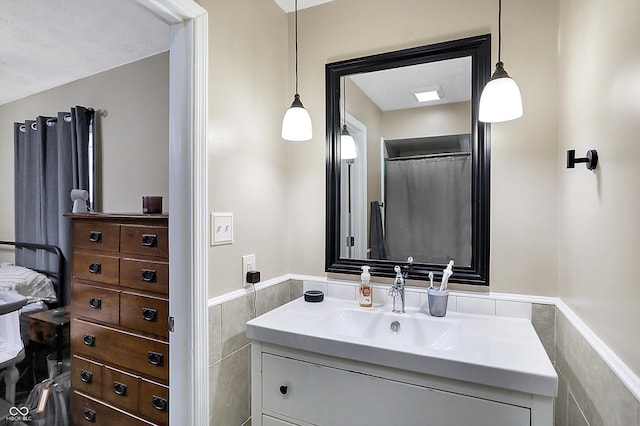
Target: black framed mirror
417	183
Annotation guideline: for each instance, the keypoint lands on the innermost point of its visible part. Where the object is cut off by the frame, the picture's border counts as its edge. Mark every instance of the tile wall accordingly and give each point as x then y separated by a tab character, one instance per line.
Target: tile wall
589	393
229	351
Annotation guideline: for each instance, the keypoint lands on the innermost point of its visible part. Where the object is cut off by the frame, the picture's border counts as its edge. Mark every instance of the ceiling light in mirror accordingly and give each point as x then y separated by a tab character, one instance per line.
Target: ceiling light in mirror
428	95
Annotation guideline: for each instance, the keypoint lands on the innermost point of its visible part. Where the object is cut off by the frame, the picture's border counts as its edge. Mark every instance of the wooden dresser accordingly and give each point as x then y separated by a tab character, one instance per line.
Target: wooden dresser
119	319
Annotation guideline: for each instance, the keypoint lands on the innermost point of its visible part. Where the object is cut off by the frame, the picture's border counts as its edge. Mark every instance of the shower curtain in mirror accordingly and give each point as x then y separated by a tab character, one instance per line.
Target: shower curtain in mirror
50	159
428	208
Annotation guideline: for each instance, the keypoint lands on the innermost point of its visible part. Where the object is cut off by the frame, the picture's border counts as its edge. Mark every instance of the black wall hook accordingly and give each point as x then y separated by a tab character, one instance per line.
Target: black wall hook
591	159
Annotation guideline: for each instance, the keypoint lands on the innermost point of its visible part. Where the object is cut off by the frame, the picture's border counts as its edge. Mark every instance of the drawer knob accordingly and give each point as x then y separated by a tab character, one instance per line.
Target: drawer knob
149	314
95	303
160	404
149	275
119	388
90	415
284	389
95	268
155	358
149	240
86	376
89	340
95	236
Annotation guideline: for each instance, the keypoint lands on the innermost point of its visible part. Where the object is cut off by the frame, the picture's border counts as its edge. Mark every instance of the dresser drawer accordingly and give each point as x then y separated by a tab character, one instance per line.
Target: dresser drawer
145	355
96	236
154	401
144	240
145	275
86	410
86	376
120	389
99	303
144	313
96	267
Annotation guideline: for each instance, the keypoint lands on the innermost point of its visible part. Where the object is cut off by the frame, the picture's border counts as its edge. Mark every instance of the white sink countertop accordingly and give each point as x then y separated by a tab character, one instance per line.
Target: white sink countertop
489	350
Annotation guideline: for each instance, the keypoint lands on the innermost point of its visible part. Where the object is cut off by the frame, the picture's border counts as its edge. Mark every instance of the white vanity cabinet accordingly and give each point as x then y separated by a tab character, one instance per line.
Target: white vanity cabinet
293	387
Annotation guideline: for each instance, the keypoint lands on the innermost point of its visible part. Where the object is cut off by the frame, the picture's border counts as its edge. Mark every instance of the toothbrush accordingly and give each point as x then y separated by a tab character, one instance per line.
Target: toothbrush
445	276
431	279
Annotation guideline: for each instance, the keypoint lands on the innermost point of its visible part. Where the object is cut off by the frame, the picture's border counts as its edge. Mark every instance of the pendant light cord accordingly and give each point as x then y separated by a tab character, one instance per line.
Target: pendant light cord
296	30
499	28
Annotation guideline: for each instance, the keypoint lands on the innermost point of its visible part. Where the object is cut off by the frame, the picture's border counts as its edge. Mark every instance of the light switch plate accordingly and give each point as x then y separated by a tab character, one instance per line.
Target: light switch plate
221	228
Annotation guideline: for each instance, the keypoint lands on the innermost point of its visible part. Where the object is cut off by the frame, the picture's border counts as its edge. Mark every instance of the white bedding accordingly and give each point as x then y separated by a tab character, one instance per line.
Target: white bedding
34	285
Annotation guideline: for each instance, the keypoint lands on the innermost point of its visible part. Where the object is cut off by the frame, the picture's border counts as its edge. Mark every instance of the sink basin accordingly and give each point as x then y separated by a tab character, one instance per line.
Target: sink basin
489	350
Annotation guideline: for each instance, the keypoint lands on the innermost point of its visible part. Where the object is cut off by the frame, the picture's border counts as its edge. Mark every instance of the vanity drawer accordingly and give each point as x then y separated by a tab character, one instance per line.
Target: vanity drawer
144	240
320	394
120	388
145	313
145	275
99	303
86	410
145	355
96	267
86	376
96	236
154	401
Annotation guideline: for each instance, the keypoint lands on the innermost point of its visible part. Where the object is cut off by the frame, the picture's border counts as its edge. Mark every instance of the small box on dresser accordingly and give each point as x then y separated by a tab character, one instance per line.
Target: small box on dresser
119	319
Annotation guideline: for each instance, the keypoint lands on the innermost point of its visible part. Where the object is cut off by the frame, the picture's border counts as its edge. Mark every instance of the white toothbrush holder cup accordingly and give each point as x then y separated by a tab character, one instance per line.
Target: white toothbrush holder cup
438	302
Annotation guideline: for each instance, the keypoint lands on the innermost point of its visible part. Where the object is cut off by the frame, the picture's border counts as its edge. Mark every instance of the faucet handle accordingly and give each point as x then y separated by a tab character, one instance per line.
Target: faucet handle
397	269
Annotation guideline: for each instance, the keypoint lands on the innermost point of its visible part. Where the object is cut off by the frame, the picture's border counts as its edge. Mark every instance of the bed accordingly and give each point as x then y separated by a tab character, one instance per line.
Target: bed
42	287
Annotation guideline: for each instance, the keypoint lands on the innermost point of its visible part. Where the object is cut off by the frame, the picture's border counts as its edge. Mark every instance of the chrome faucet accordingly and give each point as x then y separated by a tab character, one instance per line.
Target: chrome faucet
397	290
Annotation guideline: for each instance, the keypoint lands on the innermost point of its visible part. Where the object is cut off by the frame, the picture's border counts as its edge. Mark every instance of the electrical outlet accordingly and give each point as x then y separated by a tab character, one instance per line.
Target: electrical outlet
248	264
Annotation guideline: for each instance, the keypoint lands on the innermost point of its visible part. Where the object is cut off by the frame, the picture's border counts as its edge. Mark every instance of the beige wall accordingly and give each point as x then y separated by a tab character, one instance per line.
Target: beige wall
248	161
524	152
133	137
436	120
598	211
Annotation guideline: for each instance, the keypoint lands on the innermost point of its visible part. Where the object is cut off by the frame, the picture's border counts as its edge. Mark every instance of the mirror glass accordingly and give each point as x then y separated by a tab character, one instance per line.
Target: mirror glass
416	184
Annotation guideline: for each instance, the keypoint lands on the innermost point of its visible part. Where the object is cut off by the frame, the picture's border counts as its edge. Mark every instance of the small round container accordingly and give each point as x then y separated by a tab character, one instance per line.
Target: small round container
313	296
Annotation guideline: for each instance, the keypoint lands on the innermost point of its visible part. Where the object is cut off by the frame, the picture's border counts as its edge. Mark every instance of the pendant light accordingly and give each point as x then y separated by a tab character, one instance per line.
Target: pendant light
500	99
296	124
348	149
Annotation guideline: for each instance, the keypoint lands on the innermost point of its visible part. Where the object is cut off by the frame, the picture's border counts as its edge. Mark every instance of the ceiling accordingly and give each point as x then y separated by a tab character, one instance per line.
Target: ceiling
46	43
289	5
393	89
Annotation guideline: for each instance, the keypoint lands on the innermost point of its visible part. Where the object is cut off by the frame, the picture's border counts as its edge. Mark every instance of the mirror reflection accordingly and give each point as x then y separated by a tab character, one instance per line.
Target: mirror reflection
408	161
406	188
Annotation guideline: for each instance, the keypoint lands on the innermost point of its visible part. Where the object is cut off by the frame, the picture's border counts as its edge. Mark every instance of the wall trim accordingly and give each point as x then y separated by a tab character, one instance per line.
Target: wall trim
617	365
219	300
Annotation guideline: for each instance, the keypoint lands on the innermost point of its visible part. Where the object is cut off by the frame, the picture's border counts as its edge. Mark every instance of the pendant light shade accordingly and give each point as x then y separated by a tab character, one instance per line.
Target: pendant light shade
296	124
348	149
500	99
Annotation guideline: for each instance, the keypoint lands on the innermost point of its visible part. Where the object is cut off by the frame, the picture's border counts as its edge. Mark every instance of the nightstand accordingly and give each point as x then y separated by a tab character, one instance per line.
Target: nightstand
50	330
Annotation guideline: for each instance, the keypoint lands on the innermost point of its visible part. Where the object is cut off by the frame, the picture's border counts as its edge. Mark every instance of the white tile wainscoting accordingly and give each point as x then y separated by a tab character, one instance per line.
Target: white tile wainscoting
595	386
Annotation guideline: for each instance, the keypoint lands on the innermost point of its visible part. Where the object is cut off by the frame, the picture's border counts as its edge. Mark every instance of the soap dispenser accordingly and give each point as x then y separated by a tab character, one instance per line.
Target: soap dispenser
366	291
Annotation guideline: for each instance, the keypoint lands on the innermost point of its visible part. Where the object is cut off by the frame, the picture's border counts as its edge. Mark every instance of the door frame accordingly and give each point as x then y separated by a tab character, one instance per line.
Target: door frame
188	192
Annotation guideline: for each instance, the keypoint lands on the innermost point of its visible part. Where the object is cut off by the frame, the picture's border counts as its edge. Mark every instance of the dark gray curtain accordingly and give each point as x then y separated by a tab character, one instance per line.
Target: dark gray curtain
428	208
50	159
